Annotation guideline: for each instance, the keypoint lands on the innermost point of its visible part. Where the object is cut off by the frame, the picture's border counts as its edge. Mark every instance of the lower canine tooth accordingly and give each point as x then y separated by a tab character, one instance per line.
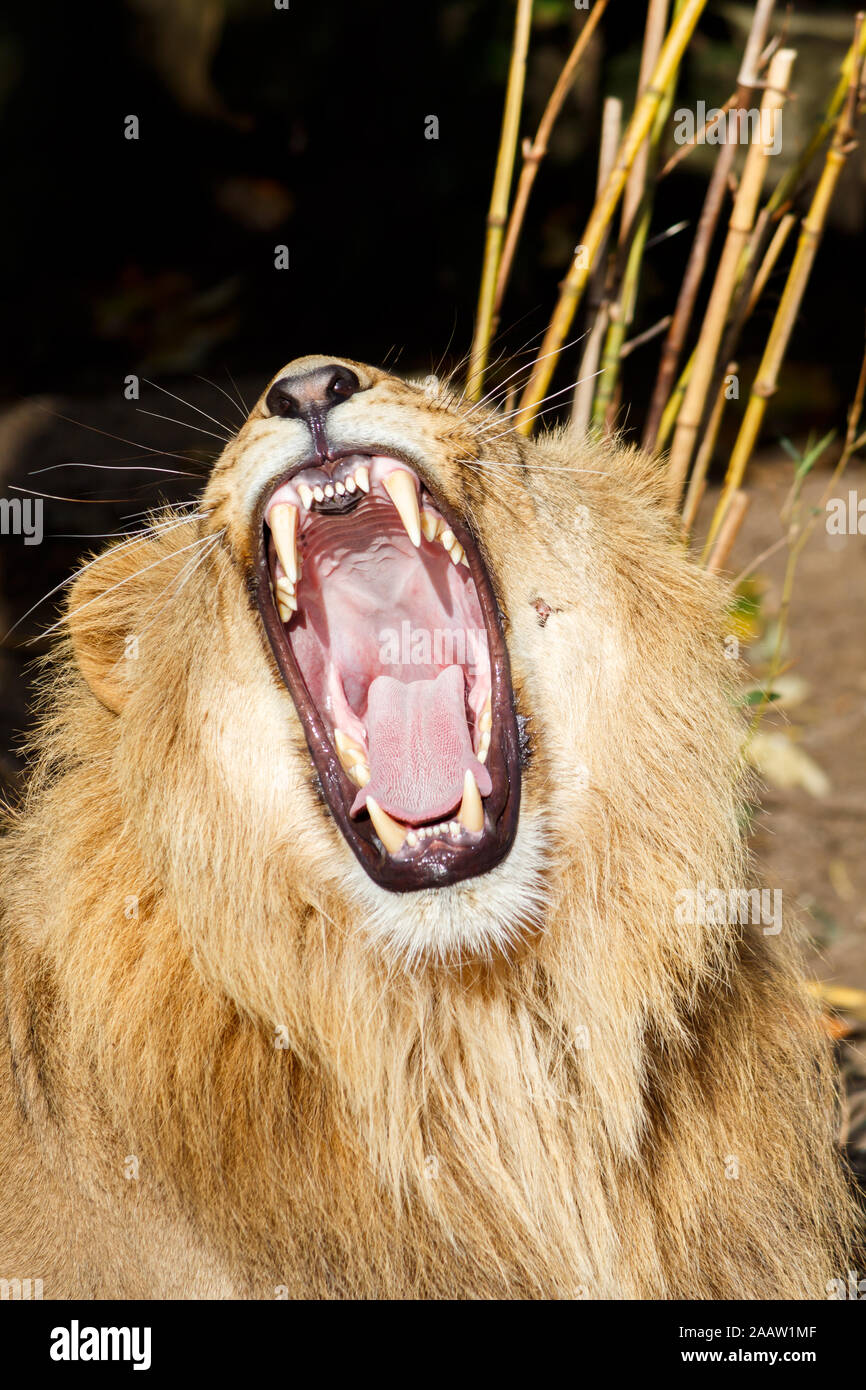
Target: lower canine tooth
400	487
362	478
283	522
390	832
471	813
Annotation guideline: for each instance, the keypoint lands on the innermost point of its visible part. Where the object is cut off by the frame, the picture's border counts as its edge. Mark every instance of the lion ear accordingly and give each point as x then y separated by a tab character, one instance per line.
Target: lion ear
105	604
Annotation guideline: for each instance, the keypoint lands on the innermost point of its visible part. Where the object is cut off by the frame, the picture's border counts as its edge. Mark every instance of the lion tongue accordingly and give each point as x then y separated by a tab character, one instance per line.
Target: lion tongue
420	747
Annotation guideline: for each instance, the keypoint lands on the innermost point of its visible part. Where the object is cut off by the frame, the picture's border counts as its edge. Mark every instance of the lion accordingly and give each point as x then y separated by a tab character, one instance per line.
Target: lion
344	949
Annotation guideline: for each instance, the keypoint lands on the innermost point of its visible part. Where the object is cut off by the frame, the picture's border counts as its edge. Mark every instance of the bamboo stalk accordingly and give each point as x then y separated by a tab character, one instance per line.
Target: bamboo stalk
635	218
534	152
766	380
739	231
584	391
771	255
698	480
728	534
787	185
499	201
747	81
654	33
599	219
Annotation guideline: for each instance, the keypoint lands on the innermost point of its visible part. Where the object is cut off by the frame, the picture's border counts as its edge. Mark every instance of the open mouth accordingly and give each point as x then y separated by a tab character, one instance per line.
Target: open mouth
384	625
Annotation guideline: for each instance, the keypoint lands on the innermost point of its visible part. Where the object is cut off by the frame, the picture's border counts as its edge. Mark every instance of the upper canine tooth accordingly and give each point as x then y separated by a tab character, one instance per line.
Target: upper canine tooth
284	525
306	495
362	478
471	813
429	524
390	832
400	487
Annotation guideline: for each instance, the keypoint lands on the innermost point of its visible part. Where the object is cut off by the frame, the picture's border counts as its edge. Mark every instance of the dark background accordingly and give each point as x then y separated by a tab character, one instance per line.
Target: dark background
306	127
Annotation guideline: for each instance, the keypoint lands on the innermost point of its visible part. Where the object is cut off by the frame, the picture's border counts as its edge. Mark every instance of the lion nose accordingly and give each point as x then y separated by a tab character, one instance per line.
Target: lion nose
311	394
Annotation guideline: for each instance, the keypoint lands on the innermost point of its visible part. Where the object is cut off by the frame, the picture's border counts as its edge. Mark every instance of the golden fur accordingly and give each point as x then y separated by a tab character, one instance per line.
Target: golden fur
535	1083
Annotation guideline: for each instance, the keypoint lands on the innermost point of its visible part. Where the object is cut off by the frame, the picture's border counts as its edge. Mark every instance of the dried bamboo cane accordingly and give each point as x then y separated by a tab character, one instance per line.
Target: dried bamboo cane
788	183
578	274
697	482
534	153
499	201
674	402
728	534
766	380
747	82
635	217
581	410
739	230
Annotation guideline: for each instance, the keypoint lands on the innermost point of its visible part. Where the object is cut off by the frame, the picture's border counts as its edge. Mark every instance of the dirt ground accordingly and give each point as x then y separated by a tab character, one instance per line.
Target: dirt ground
812	847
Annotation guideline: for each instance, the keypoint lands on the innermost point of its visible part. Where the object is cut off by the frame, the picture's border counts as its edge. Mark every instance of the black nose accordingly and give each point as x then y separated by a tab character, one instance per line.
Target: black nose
311	393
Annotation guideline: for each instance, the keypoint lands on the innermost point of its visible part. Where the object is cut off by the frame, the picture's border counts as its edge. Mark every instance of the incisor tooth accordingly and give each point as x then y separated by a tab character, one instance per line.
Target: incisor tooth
412	839
429	525
351	485
318	493
400	487
285	608
486	720
284	527
306	495
360	774
457	553
390	832
329	489
471	813
362	478
448	539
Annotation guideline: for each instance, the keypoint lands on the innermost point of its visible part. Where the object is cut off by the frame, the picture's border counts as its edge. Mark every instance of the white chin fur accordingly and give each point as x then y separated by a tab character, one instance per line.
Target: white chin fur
478	916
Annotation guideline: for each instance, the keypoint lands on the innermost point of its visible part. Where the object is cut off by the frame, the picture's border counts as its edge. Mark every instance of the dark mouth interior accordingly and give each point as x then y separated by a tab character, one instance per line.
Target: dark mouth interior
384	625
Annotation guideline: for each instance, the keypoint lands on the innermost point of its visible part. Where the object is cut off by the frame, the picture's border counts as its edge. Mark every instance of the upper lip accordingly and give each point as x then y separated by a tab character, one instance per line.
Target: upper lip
435	862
